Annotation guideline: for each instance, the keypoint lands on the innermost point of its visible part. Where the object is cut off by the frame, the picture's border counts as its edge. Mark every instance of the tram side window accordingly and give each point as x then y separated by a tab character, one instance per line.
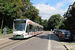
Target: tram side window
39	29
27	29
42	29
33	28
36	28
30	28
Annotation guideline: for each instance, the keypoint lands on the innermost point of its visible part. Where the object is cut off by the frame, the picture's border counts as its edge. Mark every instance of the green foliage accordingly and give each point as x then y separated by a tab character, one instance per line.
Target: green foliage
12	9
70	21
1	33
55	21
42	22
9	31
71	49
1	30
38	20
31	13
63	26
45	24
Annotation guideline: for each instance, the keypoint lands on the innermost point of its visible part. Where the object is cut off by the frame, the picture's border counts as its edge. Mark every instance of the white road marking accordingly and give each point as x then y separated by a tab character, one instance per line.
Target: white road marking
20	44
49	42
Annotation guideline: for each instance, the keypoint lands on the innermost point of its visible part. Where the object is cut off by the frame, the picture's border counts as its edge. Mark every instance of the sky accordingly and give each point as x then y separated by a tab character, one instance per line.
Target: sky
47	8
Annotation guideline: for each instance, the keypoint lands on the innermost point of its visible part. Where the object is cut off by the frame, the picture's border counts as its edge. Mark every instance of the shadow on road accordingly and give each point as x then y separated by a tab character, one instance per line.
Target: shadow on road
11	38
54	37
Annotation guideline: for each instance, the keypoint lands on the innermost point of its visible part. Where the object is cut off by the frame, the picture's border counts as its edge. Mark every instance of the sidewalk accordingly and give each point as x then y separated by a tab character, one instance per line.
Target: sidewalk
7	36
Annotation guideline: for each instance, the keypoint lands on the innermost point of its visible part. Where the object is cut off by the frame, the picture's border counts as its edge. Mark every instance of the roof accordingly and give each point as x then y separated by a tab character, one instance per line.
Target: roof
29	20
20	19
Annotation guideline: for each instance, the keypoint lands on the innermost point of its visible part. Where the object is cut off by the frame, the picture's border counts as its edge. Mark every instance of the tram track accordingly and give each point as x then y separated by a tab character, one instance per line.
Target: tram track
9	43
6	42
7	36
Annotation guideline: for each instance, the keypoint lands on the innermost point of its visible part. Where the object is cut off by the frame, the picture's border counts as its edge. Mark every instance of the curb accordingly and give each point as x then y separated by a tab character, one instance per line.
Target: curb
67	48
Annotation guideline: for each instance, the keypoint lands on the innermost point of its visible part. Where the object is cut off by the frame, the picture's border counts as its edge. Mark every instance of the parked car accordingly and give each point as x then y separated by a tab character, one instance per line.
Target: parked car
65	35
56	31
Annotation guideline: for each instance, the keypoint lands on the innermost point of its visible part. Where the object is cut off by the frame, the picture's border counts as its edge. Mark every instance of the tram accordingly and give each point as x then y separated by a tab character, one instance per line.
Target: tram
24	28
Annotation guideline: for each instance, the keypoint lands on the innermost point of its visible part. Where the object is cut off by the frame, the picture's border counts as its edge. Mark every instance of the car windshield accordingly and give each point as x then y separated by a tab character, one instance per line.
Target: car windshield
19	26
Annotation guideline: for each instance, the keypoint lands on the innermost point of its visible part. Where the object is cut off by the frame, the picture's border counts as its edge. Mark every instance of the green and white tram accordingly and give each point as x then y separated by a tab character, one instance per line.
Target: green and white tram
24	28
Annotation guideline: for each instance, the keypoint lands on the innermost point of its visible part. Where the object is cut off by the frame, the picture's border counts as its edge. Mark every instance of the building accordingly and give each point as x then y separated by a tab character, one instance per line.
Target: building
70	12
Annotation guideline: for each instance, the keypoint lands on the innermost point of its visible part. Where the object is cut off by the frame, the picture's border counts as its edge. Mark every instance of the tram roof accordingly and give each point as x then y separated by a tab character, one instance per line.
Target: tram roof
28	20
20	19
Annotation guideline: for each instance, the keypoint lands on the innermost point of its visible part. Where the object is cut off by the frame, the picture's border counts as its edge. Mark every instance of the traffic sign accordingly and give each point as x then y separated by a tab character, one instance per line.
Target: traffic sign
4	31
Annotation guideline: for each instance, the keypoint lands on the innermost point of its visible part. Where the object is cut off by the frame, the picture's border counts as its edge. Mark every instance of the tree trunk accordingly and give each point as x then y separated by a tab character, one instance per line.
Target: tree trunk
2	24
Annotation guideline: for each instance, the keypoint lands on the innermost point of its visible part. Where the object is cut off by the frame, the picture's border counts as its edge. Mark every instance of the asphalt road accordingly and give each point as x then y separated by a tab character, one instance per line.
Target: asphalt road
45	41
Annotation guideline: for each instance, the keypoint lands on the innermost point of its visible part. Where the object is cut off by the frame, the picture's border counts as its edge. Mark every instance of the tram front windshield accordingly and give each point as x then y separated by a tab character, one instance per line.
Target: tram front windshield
19	26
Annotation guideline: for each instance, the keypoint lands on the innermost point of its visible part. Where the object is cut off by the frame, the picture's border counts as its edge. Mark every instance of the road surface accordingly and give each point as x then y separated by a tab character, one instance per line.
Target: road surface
45	41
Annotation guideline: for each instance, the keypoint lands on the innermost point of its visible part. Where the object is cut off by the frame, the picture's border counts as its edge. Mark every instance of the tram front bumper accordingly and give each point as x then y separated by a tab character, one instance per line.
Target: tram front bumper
18	36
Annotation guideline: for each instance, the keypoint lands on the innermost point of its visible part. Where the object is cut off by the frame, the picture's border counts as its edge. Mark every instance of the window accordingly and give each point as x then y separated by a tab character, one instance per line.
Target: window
27	29
19	27
30	28
35	28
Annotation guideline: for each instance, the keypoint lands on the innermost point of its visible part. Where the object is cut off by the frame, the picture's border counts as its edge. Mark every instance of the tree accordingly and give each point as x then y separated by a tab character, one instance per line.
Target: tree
11	9
38	20
70	15
32	13
6	10
45	24
55	21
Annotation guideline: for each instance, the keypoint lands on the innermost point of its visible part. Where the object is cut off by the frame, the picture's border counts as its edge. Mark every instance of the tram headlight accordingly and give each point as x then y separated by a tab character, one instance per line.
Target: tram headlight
22	33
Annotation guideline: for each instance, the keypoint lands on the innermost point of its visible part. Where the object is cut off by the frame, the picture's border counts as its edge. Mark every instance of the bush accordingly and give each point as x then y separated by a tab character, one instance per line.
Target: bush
9	31
0	30
1	33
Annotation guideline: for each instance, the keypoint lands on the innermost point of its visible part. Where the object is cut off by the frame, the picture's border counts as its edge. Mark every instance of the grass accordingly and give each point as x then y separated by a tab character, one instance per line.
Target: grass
1	34
73	43
71	49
